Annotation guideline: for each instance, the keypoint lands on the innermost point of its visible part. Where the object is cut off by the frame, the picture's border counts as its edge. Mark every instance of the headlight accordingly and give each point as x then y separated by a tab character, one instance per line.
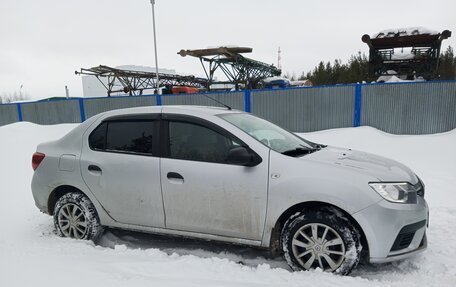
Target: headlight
401	192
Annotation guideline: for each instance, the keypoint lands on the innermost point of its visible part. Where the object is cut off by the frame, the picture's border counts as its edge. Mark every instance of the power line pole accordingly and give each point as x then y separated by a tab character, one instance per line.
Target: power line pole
152	2
279	59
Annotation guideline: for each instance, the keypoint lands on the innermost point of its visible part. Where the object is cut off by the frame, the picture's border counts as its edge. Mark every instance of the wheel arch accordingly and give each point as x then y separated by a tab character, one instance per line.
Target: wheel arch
57	193
274	243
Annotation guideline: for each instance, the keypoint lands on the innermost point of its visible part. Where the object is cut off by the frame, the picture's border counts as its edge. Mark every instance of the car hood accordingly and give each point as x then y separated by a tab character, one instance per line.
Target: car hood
382	168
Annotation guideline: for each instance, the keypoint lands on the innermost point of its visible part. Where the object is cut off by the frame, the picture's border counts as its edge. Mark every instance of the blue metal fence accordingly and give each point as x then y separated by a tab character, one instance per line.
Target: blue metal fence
401	108
306	109
357	106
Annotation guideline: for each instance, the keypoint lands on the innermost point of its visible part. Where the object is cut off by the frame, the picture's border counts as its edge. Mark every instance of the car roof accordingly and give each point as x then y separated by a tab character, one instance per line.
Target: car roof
208	110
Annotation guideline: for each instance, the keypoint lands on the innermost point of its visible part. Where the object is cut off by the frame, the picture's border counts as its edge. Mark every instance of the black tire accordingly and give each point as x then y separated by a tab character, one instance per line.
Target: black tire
329	223
76	217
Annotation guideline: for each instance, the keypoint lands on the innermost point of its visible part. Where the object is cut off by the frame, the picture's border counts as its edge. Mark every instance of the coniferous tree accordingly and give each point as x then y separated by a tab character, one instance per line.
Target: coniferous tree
447	65
356	70
338	73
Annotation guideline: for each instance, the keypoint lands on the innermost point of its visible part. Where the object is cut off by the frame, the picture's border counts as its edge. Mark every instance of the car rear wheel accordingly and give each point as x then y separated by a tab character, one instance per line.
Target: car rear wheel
76	217
323	239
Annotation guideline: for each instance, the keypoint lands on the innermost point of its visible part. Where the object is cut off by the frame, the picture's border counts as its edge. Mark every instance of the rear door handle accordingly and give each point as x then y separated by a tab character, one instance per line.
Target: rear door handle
174	175
94	168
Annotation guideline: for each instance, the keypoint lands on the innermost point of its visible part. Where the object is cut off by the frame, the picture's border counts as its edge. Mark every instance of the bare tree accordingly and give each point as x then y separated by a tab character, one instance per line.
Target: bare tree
13	97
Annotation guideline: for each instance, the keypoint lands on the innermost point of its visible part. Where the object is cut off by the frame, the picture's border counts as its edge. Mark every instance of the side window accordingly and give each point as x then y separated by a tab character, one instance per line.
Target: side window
130	136
134	136
190	141
97	139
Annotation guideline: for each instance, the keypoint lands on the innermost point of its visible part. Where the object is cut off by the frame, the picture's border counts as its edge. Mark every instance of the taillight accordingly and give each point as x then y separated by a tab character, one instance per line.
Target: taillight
37	159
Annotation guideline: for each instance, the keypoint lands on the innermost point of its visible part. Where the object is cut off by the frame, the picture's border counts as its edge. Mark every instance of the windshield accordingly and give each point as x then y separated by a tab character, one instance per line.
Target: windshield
269	134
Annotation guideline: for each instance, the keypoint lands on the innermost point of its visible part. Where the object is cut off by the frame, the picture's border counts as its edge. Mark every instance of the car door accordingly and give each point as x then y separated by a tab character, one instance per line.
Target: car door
201	191
120	166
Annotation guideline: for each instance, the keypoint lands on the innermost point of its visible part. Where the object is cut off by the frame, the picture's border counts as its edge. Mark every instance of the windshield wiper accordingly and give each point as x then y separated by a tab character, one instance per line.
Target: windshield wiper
299	151
319	146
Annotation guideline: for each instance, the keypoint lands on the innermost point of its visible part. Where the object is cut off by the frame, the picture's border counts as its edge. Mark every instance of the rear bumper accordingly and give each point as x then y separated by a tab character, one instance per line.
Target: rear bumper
394	231
40	194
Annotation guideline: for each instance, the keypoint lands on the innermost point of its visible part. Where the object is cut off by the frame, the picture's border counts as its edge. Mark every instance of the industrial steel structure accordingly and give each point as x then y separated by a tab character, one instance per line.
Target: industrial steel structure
239	70
135	82
420	60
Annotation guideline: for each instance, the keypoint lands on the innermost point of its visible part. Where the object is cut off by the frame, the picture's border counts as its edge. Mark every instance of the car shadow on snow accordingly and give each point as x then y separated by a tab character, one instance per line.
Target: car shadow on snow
396	268
245	255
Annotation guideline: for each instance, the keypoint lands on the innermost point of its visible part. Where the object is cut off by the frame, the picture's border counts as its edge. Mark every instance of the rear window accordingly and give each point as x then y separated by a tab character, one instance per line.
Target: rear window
124	136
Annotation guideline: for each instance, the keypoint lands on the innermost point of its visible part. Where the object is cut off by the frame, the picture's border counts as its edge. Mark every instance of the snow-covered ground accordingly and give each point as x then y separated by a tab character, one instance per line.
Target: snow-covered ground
32	255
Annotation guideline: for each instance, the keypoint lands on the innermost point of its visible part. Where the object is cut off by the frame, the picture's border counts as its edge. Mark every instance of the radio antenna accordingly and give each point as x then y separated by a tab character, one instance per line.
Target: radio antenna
217	101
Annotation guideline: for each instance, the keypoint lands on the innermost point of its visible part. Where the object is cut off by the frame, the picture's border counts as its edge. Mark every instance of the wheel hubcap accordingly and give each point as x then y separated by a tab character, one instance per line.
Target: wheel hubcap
72	221
318	245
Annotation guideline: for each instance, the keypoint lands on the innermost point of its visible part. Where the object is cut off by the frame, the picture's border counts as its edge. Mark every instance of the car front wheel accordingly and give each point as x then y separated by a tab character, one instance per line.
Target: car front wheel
323	239
76	217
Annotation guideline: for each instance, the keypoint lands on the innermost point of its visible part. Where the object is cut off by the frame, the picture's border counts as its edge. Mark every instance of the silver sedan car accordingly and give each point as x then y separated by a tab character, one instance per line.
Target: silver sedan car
225	175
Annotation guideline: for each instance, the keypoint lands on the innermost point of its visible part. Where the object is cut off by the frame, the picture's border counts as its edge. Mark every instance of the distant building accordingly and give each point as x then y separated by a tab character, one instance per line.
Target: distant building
92	87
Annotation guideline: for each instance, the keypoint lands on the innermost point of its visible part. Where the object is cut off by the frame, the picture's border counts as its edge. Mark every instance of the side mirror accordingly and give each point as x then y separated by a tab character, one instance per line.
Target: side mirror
242	156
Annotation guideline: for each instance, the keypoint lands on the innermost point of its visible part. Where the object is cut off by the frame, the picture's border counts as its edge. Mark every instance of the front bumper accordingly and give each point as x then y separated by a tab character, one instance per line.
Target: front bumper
394	231
401	256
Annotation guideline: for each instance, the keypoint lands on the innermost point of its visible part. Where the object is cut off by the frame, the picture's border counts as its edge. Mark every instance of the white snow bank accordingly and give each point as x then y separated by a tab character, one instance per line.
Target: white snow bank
275	78
402	56
301	83
32	255
411	31
395	79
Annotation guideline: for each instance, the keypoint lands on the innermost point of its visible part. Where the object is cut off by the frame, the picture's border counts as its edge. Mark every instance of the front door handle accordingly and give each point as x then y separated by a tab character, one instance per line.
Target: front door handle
174	175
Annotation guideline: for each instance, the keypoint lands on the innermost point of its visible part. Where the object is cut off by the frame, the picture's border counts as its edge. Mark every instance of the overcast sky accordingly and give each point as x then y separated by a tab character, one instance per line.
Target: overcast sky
44	41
